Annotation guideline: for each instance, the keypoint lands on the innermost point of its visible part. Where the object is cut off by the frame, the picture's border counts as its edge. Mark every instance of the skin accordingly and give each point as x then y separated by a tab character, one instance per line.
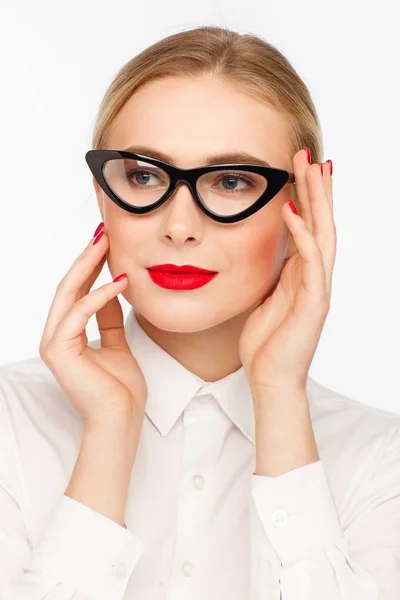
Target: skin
190	119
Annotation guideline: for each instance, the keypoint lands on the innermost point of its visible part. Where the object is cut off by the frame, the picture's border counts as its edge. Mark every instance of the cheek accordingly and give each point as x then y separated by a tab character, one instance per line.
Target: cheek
256	261
127	244
263	253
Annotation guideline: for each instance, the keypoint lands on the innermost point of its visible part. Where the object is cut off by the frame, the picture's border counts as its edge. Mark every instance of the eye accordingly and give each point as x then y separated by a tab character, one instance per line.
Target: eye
142	177
232	179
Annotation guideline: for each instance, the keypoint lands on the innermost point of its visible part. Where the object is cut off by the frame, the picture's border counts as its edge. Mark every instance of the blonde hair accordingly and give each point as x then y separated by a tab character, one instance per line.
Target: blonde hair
244	60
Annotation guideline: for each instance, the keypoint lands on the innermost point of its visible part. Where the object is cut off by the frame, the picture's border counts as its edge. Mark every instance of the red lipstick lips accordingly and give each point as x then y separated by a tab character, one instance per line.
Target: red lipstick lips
175	277
179	269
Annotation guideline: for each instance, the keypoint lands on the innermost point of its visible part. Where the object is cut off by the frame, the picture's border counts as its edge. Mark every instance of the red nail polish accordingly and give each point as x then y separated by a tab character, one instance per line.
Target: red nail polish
98	229
96	239
292	206
322	168
331	165
308	155
119	277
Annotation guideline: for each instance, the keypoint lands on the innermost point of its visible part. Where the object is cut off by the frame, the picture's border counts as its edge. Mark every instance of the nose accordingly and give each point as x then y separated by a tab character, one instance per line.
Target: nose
183	192
183	220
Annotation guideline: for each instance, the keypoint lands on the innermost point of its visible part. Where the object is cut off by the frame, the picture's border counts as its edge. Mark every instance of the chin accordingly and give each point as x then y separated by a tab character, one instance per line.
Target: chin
177	320
189	319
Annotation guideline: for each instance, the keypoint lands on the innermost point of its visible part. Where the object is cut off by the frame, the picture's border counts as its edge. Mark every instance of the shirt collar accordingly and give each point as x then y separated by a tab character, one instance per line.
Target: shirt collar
171	386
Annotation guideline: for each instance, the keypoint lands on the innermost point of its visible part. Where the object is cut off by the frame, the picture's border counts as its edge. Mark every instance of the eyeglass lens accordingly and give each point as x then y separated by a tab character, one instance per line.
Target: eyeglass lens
224	192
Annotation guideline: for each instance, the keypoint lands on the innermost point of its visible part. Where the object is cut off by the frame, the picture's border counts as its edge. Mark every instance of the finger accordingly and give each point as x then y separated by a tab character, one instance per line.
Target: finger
76	320
87	286
327	180
324	227
75	284
110	321
313	276
300	166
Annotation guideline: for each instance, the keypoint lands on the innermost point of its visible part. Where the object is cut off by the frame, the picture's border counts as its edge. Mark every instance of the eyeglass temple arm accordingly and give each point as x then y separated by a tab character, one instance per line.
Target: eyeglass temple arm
292	178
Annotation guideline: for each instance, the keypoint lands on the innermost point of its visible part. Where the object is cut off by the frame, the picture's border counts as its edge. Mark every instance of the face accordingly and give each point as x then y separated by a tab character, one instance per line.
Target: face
189	119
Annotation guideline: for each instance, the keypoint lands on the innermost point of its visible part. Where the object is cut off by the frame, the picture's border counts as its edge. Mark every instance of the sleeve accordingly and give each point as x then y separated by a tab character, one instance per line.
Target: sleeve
79	555
296	513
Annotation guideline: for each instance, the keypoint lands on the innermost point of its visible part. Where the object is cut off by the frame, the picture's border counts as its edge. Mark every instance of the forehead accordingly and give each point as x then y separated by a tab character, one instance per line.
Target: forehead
192	118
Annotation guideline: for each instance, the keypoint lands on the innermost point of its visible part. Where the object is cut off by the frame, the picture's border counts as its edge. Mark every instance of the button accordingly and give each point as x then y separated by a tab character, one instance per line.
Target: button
187	569
279	517
198	481
204	399
121	571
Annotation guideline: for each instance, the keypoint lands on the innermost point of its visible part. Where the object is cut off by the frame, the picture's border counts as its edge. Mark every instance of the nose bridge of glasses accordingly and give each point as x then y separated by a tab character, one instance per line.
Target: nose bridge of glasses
178	184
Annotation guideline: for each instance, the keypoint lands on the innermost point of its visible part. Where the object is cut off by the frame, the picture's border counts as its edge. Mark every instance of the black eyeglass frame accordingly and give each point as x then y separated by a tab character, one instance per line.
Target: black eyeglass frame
276	178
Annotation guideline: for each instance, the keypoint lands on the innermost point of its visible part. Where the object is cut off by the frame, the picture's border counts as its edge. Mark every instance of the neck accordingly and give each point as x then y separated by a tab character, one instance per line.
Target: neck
210	354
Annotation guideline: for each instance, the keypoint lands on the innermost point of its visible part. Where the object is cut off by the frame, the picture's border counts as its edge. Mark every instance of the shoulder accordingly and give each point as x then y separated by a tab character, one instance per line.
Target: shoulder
33	399
40	437
357	442
37	413
348	414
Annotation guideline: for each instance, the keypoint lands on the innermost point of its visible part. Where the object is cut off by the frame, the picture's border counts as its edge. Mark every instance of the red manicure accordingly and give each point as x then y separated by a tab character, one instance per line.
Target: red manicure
331	165
119	277
308	155
98	229
292	206
96	239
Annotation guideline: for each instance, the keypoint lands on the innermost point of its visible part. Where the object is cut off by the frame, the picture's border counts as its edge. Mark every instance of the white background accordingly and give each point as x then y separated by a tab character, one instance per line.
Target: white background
58	58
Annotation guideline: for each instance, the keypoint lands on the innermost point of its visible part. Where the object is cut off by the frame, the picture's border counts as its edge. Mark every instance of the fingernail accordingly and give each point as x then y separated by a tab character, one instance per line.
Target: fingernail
308	155
96	239
322	168
331	165
120	277
292	206
98	229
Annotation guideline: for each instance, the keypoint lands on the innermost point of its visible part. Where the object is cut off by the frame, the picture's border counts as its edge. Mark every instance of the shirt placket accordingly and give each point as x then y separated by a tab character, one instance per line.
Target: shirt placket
201	445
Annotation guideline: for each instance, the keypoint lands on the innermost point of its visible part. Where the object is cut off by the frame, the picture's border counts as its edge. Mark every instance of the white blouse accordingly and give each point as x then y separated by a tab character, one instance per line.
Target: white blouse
200	524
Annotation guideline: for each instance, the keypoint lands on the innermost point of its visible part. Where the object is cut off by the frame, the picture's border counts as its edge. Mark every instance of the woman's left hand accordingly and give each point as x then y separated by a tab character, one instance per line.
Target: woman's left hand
281	335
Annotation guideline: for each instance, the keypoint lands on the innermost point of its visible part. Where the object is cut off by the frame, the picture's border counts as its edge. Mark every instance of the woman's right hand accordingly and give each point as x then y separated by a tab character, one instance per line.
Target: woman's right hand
99	382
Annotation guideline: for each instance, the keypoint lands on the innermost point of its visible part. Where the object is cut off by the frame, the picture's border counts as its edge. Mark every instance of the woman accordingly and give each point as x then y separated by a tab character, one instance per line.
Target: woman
187	453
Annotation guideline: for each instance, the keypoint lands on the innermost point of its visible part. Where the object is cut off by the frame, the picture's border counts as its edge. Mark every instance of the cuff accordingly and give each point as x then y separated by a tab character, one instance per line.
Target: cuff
85	549
297	511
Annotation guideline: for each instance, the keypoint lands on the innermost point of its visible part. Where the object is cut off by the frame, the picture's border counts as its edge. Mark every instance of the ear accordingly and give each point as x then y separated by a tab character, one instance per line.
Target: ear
99	194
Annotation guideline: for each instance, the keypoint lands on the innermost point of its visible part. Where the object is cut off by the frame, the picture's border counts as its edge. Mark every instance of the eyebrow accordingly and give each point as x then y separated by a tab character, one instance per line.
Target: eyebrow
216	159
